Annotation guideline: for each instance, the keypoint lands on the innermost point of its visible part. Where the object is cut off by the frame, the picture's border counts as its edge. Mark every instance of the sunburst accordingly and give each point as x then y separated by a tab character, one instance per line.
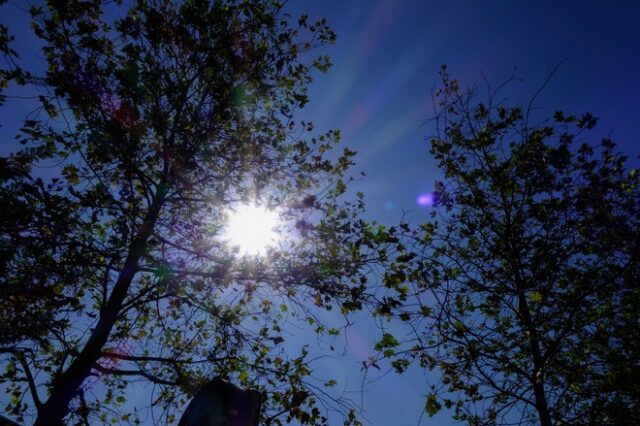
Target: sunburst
252	228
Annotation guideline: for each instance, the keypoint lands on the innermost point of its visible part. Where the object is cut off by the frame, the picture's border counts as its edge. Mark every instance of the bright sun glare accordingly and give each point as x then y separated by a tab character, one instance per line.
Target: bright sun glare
252	229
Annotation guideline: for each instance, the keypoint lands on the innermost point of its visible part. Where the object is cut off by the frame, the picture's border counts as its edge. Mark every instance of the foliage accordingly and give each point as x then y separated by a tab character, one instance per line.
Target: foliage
524	284
154	121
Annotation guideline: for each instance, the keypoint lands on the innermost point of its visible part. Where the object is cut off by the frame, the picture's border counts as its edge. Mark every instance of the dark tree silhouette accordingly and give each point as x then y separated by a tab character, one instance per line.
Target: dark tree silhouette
153	122
524	287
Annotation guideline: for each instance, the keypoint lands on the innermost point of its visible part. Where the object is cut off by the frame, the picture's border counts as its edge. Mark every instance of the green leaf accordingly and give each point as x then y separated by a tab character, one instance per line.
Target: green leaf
70	172
387	341
432	405
535	296
400	365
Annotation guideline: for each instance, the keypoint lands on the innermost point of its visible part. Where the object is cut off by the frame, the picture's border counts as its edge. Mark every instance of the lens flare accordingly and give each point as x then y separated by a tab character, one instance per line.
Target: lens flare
425	200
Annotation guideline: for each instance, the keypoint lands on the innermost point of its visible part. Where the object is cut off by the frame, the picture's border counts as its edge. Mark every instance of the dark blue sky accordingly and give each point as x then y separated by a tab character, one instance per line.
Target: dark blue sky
386	61
388	54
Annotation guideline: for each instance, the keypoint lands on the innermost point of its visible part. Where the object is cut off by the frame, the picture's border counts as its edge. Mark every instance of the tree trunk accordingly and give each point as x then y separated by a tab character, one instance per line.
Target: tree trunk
54	410
542	406
541	403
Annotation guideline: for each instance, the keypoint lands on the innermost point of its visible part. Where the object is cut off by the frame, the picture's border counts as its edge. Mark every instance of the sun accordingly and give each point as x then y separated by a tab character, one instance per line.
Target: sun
252	229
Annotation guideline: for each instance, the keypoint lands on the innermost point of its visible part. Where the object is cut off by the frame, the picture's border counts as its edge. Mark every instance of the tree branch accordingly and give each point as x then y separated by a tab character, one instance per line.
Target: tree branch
32	384
140	373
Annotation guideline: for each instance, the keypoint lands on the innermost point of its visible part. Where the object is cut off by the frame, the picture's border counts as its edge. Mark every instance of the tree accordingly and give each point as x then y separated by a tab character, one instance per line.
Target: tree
525	282
154	122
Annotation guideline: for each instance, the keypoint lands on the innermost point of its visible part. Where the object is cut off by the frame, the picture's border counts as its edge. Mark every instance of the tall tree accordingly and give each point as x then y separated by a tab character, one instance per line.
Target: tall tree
155	122
525	283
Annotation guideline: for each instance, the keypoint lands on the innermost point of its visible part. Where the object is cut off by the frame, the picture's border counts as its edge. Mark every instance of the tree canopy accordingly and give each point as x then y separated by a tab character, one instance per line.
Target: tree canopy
153	123
522	290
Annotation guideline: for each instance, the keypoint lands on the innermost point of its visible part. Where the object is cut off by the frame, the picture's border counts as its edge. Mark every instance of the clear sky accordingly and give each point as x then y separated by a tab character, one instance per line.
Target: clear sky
388	53
386	61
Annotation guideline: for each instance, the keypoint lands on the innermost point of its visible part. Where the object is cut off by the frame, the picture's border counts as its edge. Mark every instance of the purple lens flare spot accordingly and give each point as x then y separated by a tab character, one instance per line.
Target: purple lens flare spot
425	200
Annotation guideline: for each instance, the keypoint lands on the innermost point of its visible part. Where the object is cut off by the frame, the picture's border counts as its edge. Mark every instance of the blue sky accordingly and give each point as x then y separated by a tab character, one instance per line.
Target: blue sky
388	54
386	61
